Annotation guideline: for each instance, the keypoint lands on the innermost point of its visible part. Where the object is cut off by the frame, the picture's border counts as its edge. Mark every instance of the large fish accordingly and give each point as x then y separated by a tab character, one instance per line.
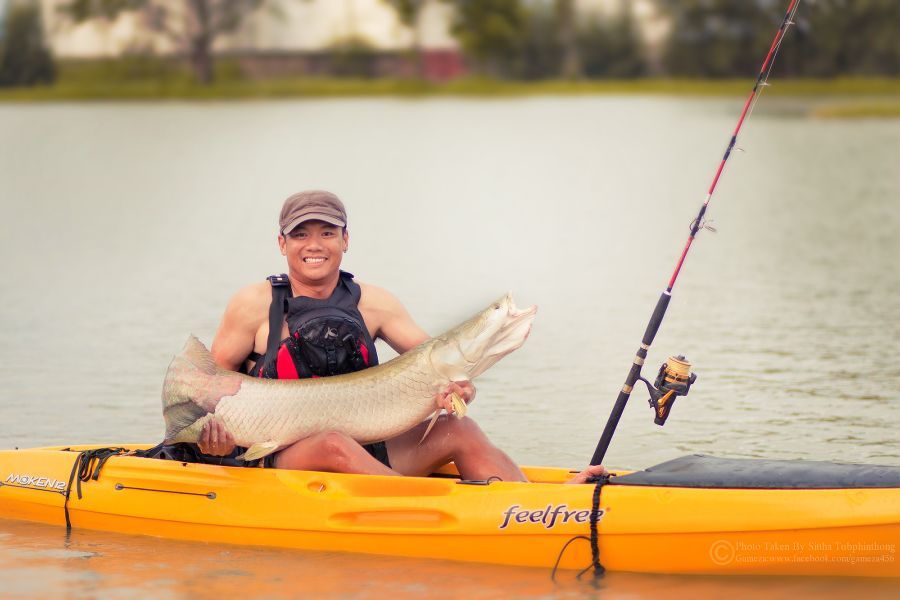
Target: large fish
371	405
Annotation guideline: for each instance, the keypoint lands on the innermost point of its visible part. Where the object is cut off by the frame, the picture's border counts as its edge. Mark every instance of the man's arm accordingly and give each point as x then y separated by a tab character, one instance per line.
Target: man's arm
390	319
234	341
394	324
236	336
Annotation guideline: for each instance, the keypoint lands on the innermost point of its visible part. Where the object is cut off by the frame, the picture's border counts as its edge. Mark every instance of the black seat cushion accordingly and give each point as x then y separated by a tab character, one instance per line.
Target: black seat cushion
710	472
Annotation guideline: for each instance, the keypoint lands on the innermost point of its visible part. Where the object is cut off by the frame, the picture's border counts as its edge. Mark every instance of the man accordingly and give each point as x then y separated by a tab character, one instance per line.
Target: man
325	305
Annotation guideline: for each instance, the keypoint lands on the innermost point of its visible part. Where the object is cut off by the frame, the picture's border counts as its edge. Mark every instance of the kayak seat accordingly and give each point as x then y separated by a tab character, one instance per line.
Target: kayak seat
699	471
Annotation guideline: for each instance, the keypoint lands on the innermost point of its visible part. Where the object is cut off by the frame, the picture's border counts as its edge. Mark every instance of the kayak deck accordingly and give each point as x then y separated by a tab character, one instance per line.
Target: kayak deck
665	519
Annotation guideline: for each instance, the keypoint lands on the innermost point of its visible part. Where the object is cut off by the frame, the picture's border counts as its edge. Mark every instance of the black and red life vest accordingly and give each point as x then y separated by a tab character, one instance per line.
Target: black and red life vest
325	337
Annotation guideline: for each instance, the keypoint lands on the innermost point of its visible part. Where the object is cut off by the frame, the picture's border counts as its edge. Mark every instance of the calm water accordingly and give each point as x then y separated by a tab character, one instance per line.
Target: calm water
127	226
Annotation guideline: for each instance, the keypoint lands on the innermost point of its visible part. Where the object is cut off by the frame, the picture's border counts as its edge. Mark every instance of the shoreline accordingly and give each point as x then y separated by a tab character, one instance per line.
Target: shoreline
839	98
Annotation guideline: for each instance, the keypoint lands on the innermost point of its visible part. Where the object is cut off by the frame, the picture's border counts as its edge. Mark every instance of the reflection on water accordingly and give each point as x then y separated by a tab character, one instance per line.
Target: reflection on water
128	226
39	561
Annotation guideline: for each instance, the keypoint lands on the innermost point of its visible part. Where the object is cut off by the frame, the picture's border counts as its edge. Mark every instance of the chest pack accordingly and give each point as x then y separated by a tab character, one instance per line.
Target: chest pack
325	336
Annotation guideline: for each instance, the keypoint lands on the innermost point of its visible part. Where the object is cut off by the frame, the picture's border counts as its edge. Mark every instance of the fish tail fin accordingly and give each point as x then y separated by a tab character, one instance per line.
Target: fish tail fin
195	352
192	389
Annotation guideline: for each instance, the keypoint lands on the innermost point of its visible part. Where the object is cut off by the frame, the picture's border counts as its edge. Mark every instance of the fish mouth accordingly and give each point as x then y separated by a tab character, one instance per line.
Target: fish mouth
499	339
518	313
516	329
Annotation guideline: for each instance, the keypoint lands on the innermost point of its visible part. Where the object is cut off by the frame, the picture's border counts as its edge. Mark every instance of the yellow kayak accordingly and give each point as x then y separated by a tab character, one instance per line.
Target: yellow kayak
694	514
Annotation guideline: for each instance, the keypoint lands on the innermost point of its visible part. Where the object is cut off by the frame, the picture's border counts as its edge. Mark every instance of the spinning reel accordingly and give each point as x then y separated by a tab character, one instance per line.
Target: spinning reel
674	379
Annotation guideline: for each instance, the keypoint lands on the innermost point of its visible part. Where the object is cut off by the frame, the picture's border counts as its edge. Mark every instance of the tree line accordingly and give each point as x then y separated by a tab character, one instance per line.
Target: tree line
534	39
725	38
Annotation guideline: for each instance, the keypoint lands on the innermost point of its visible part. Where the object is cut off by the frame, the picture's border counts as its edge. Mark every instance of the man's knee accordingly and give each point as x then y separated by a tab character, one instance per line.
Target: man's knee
466	434
333	442
335	448
466	427
326	451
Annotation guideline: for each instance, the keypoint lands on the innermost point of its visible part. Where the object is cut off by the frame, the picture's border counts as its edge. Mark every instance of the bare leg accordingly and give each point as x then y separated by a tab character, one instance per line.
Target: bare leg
330	451
459	440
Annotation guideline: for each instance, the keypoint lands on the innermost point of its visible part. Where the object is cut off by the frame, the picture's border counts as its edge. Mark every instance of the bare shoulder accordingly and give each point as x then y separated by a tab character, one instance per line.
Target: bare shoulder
388	319
250	305
245	314
376	299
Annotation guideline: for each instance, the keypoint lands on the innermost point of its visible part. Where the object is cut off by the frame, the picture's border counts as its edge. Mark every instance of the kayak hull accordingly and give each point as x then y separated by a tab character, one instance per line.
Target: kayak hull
642	528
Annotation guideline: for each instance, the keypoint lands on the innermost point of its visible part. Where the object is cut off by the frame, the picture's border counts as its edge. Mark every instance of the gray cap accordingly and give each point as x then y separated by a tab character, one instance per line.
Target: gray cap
312	205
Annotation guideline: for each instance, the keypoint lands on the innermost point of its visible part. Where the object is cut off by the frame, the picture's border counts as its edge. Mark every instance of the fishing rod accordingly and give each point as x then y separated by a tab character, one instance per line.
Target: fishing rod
675	377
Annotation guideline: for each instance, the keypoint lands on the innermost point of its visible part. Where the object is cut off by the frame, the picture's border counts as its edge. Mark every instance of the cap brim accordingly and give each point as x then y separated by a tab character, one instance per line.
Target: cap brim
313	217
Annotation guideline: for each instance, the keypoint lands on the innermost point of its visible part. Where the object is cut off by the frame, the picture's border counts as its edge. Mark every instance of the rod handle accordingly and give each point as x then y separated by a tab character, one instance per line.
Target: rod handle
658	313
619	407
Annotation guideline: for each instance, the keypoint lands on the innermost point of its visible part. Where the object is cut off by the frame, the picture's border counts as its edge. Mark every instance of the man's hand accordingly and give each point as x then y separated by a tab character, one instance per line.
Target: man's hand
215	440
463	389
591	471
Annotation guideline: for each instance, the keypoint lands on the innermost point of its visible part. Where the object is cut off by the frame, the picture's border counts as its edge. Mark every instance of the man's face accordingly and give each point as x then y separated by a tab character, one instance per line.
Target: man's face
314	249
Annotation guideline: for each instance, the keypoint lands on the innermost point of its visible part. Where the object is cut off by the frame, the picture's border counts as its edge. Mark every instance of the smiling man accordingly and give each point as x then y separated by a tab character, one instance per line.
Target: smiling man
325	323
317	321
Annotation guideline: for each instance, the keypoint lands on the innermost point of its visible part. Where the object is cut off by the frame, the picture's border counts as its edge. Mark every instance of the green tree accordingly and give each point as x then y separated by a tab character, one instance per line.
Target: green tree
541	52
612	48
24	59
571	67
353	57
192	24
491	33
723	38
845	37
717	38
605	46
408	12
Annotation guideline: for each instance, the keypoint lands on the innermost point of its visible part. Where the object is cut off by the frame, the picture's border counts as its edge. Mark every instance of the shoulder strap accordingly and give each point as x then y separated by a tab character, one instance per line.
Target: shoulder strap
281	291
352	287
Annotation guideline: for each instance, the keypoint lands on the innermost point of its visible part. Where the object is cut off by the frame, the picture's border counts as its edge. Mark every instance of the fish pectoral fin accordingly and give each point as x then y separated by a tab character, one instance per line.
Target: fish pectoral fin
434	419
259	450
459	405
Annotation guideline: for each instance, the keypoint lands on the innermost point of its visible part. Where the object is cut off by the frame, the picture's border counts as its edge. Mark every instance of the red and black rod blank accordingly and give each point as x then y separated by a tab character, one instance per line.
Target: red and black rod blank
663	302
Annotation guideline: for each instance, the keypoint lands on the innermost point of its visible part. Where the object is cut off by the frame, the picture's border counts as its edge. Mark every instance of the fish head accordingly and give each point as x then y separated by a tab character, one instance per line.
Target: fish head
471	348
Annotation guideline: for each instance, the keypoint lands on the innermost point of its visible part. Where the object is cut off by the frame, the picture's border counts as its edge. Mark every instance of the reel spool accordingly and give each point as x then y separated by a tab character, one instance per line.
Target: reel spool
674	379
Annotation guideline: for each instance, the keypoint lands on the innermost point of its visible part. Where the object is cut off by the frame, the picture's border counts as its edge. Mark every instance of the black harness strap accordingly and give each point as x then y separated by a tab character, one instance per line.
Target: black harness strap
595	517
599	570
281	291
86	469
